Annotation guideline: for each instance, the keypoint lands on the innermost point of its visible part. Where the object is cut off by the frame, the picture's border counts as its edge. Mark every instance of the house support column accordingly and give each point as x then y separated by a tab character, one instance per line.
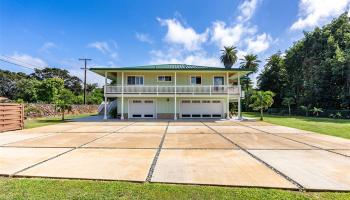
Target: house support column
105	102
175	114
239	97
122	104
228	97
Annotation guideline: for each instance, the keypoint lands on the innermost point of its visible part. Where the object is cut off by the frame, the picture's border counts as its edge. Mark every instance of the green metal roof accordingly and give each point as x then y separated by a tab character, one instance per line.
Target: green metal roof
180	67
166	67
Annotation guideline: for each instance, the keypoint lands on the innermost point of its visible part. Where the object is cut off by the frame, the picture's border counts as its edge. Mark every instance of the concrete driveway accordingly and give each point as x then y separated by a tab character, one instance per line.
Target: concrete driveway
254	154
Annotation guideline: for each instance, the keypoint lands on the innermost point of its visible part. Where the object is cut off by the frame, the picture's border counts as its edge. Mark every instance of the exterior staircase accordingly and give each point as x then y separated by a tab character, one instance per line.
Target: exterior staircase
110	106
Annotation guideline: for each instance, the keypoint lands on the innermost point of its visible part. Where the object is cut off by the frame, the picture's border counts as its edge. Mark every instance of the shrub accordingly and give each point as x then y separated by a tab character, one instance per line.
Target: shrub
30	110
114	112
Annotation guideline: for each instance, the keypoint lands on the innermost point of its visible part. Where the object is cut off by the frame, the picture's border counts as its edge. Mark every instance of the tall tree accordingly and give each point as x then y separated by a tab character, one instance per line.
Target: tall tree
318	66
229	56
8	80
27	90
250	62
49	89
72	83
273	77
315	71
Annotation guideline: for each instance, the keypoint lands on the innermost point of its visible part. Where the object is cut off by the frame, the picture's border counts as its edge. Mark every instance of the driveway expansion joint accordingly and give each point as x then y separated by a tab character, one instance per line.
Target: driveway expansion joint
300	187
317	148
156	156
58	155
37	137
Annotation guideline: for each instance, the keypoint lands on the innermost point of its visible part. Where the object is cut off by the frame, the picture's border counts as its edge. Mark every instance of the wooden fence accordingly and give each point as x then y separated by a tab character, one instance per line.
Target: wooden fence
11	116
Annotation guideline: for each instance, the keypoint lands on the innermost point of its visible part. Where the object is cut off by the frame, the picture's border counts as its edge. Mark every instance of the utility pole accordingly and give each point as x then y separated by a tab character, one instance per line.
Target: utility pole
85	61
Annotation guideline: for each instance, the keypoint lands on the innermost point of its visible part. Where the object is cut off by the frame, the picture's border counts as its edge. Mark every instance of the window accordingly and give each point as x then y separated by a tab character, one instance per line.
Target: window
136	101
196	80
135	80
196	101
219	80
205	101
216	101
148	101
186	101
164	78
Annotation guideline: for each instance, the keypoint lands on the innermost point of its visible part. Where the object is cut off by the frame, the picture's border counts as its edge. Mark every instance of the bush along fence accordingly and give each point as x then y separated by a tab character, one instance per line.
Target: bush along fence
337	114
35	110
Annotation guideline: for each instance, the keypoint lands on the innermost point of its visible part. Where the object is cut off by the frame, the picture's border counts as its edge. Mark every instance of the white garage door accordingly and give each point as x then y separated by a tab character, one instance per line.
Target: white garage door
142	108
201	108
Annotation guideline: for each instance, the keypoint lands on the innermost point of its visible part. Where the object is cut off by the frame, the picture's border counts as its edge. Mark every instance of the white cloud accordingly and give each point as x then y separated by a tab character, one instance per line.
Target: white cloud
144	38
247	10
317	12
47	46
224	35
181	35
259	43
101	46
27	60
74	67
176	56
228	35
104	47
184	44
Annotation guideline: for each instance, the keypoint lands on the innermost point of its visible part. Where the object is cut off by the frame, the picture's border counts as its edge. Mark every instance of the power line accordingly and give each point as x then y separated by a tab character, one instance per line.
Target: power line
15	64
85	61
18	62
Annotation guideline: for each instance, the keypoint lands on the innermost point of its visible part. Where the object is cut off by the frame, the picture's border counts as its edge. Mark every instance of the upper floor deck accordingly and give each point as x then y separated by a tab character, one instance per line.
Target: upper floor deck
171	90
170	79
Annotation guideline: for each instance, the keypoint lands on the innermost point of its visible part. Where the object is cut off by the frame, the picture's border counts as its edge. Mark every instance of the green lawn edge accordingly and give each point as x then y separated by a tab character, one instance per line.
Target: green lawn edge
328	126
37	188
44	121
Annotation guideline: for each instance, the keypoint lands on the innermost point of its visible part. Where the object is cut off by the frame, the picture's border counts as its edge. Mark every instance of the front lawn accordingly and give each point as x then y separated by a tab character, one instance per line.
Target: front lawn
44	121
82	189
335	127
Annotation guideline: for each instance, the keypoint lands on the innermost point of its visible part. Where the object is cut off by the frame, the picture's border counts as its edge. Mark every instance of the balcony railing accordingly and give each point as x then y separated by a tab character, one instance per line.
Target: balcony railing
188	89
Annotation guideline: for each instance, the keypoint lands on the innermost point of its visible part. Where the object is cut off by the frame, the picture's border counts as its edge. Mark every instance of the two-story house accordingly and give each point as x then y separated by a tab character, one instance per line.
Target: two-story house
172	91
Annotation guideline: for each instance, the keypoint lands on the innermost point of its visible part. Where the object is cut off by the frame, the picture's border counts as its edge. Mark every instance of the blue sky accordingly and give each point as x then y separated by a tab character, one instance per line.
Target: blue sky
126	33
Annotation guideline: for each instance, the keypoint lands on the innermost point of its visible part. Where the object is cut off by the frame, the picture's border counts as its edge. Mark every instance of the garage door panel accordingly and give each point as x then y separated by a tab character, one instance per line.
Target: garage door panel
142	108
201	108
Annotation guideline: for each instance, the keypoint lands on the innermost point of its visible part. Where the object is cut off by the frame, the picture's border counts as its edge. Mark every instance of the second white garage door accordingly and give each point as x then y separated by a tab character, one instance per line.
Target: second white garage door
201	108
142	108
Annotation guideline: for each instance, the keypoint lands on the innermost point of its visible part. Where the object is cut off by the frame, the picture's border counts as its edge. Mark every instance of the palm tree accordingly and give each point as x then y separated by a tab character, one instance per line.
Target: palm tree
306	109
288	101
250	62
316	111
262	100
229	56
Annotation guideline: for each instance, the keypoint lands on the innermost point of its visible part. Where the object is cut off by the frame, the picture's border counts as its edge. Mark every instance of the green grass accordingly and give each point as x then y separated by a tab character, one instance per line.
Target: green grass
82	189
334	127
32	123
